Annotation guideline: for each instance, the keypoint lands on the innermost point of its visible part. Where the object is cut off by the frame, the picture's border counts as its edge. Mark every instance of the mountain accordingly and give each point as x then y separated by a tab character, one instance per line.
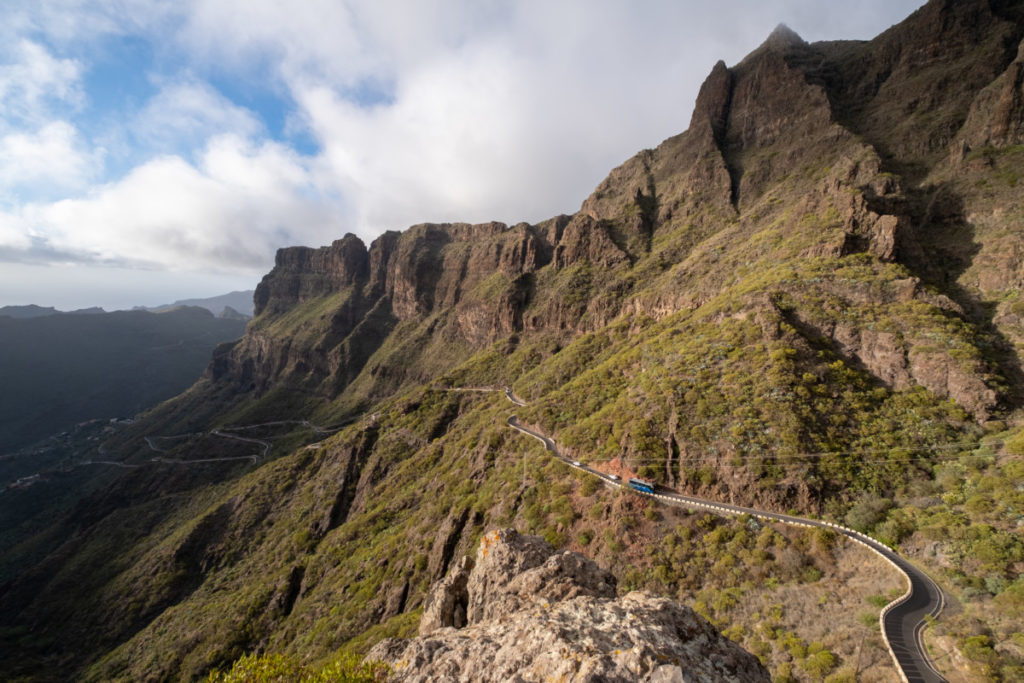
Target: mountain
57	370
238	302
33	311
30	311
808	301
231	314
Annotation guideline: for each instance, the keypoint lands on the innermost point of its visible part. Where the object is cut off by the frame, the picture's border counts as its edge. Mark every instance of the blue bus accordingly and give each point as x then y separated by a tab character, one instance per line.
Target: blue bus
641	485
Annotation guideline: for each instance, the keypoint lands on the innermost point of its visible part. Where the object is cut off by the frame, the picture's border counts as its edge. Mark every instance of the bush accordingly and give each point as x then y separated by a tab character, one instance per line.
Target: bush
590	486
1015	444
978	648
278	668
819	661
868	512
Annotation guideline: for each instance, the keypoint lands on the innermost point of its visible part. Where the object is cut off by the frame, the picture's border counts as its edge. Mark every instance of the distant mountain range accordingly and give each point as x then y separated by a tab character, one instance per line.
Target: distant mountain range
33	311
230	305
227	305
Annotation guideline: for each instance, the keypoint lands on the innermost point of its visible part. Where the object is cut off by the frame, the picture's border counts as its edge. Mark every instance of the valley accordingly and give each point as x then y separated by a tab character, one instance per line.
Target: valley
799	321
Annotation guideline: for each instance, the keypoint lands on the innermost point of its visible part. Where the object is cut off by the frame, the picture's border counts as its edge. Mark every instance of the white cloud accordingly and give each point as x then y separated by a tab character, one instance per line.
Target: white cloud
14	236
52	159
183	115
513	112
229	213
313	36
32	79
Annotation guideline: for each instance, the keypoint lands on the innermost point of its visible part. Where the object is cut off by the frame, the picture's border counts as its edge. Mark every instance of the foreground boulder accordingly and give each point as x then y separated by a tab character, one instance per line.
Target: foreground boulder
524	612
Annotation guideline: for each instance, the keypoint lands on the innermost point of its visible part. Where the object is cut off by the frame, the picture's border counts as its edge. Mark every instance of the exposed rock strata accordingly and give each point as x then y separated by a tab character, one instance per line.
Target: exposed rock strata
524	612
814	120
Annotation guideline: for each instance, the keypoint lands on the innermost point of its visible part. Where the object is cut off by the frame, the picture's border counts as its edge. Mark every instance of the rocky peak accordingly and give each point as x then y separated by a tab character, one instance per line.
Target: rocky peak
783	37
908	91
712	106
302	273
523	611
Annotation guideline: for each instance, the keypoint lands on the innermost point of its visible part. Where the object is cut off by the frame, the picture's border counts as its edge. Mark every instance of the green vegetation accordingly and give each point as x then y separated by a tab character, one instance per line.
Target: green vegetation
276	668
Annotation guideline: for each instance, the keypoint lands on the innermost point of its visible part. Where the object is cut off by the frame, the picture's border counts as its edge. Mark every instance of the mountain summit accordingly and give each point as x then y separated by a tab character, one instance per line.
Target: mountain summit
783	37
808	301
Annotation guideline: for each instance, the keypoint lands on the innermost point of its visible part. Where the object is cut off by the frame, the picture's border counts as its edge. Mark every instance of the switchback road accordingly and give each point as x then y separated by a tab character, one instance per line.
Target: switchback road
902	621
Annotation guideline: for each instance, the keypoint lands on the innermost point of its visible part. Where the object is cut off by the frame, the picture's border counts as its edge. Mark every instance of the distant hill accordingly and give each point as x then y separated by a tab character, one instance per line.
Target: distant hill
33	311
30	311
239	302
56	370
232	314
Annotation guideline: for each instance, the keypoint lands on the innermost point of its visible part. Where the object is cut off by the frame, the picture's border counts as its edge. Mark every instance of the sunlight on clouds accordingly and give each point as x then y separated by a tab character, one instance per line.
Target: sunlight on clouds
185	114
229	214
431	155
50	160
32	79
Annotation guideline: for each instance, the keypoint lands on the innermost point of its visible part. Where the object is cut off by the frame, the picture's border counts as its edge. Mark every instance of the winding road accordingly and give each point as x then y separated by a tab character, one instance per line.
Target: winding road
902	621
216	432
223	432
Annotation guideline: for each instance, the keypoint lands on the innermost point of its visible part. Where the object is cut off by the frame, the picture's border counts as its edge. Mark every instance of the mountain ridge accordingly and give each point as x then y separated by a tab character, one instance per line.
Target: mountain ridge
800	302
239	301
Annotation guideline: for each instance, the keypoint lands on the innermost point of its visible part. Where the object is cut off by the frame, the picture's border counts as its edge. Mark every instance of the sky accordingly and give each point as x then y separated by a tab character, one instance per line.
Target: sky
155	150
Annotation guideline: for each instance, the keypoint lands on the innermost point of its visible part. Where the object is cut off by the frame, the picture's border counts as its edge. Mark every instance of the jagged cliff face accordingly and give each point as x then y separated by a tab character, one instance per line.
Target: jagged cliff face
800	152
467	282
825	266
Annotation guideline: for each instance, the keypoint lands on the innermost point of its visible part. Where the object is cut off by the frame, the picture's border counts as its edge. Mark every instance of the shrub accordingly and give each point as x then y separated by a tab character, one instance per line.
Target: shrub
819	661
868	512
278	668
978	648
1015	444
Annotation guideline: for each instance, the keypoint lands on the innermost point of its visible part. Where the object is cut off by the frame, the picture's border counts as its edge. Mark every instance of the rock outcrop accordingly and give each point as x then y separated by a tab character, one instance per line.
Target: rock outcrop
524	612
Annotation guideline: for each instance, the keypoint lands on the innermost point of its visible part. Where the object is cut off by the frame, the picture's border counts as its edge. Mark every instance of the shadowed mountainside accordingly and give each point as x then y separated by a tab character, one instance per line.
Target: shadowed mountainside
809	300
60	369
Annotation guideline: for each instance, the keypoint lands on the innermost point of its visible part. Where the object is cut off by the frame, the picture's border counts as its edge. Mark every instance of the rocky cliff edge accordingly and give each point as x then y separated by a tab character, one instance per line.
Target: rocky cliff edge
525	612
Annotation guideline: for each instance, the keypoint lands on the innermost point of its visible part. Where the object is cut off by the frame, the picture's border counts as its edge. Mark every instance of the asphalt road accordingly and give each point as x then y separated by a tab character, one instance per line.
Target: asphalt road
903	620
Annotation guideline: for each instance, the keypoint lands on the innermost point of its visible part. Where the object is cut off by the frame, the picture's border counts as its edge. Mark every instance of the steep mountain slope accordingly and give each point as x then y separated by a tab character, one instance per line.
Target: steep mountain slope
808	300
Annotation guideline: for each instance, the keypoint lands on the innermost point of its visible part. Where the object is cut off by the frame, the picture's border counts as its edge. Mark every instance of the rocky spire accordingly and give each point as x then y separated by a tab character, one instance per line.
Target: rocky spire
783	37
523	611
